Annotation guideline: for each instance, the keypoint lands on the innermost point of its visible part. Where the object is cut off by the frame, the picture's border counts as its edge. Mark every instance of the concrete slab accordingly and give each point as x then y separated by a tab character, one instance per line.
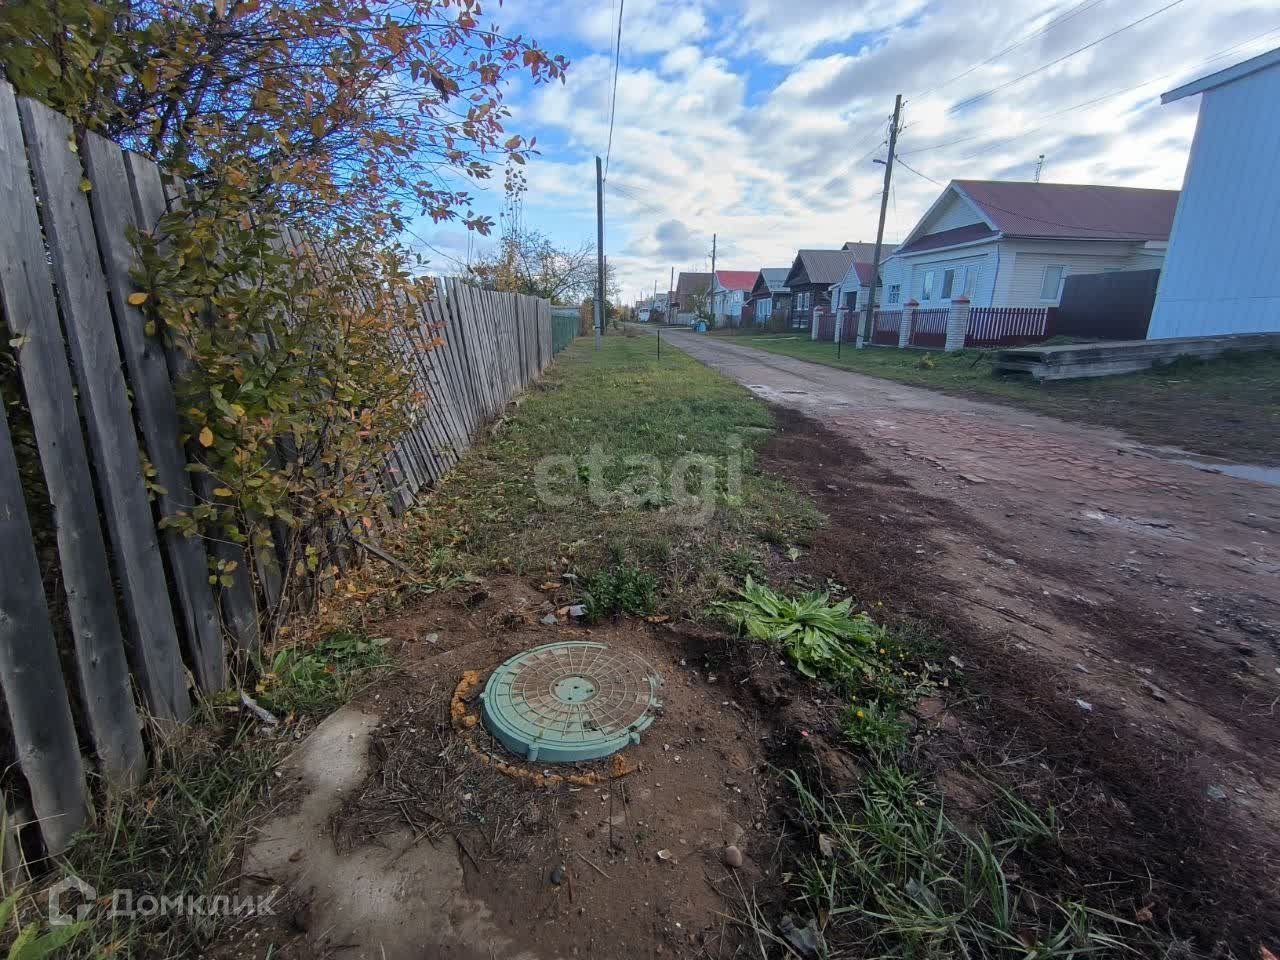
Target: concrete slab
1066	361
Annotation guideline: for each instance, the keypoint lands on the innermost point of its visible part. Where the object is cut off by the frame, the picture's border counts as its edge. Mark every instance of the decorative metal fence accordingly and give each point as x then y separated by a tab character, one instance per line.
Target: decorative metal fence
929	328
1009	326
137	607
884	329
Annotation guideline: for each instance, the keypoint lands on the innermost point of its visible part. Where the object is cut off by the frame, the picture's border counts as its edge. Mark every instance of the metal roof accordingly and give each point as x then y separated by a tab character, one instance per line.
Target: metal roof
1072	211
736	279
1231	74
821	266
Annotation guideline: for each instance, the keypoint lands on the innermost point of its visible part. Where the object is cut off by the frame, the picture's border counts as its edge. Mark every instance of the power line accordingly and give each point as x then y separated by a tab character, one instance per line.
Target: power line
1064	57
922	176
613	103
1082	7
1088	103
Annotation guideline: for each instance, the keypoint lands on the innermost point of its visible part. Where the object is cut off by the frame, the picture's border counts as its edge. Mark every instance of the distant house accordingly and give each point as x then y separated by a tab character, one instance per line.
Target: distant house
1222	271
768	296
812	274
1013	244
852	290
729	288
692	290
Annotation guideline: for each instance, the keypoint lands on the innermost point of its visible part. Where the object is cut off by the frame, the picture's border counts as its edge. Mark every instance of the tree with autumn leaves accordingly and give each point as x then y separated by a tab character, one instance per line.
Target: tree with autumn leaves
303	139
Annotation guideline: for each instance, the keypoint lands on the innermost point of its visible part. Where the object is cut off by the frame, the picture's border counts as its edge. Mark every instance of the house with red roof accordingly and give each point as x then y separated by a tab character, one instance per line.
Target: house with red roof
729	288
1013	244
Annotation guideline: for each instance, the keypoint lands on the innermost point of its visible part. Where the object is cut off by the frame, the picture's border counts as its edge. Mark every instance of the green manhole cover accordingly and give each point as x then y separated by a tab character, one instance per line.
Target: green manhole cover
570	701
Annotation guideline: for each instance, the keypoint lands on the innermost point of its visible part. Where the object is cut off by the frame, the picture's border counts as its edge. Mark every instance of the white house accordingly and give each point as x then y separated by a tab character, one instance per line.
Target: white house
1222	272
1013	244
853	289
729	288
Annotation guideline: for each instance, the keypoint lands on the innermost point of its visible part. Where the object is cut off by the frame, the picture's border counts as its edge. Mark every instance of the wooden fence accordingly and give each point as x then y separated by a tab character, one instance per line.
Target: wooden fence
1008	326
136	611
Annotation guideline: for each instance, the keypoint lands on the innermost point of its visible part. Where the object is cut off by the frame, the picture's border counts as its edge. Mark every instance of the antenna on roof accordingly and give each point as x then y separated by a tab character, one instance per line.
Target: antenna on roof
1039	167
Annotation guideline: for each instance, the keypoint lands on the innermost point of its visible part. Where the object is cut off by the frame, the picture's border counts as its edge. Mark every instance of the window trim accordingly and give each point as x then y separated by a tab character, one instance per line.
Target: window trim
1044	278
948	289
926	286
895	292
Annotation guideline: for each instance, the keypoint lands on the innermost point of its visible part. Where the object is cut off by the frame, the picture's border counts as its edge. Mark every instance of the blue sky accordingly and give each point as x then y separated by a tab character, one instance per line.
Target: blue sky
760	120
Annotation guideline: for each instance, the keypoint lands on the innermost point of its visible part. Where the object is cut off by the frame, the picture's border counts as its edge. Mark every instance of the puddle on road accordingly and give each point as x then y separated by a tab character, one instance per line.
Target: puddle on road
1242	471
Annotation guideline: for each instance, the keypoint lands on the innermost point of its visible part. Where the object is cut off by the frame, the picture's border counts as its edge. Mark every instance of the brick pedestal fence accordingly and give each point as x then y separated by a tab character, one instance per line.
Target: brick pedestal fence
957	324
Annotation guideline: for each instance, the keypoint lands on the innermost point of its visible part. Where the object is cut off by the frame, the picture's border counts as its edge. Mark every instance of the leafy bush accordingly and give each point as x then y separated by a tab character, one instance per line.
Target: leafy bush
618	591
320	677
823	640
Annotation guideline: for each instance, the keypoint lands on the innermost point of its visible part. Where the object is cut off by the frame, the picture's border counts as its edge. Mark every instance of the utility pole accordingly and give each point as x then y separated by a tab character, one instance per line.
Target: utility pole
713	278
667	313
884	206
600	303
1039	167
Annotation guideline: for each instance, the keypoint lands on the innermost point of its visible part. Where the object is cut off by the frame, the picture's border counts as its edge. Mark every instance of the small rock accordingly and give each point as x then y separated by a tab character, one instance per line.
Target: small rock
557	875
1215	792
666	856
1080	668
577	610
731	856
1084	705
1155	692
550	620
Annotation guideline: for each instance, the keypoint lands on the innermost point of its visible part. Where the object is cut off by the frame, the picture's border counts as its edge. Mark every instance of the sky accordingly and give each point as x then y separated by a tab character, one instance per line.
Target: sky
760	121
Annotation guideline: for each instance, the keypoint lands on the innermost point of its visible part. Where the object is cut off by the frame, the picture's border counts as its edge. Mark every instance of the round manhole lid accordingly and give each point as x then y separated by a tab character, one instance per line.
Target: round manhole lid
570	701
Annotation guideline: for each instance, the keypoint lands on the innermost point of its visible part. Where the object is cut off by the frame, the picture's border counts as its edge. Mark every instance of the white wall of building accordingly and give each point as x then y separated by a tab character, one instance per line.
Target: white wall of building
1222	271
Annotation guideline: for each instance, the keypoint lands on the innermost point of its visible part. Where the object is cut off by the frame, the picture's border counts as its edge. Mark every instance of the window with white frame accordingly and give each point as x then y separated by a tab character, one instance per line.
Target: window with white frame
926	286
970	279
948	283
895	291
1051	283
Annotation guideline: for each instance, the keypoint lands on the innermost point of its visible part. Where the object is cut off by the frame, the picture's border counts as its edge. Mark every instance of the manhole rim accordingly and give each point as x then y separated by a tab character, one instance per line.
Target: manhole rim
534	746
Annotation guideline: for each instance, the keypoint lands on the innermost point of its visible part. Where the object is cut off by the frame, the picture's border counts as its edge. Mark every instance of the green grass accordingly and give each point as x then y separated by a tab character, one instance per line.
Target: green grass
895	876
1229	407
579	479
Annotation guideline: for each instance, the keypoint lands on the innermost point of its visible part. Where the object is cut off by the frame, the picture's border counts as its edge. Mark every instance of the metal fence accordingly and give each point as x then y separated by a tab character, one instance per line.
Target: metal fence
1108	306
929	328
135	605
1009	326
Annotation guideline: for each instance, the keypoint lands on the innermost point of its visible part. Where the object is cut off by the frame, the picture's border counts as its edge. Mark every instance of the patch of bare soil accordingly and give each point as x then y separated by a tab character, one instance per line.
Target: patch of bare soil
1153	735
421	848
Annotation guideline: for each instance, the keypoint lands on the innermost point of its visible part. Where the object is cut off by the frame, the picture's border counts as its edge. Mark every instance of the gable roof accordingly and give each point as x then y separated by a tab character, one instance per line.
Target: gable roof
1230	75
1072	211
863	251
820	267
865	271
736	279
769	281
693	283
948	238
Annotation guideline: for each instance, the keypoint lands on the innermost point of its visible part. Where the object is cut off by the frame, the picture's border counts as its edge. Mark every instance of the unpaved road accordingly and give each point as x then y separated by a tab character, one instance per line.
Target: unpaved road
1144	588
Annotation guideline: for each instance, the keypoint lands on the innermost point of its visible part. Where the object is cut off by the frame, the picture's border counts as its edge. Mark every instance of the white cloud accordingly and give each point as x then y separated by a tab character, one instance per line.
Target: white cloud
700	146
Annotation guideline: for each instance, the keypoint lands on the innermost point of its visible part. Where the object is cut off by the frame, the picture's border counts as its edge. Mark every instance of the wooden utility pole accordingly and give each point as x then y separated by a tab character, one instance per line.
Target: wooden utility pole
599	252
884	206
712	286
668	313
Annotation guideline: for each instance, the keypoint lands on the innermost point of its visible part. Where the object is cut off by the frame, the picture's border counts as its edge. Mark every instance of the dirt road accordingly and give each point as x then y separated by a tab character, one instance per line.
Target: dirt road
1129	604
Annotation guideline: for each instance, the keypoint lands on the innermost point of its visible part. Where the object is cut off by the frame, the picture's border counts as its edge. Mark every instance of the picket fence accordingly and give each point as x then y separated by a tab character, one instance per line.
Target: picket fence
135	610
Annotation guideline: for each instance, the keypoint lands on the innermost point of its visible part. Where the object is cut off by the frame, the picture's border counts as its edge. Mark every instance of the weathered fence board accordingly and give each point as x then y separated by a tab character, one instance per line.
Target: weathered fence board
156	411
82	293
32	317
44	734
